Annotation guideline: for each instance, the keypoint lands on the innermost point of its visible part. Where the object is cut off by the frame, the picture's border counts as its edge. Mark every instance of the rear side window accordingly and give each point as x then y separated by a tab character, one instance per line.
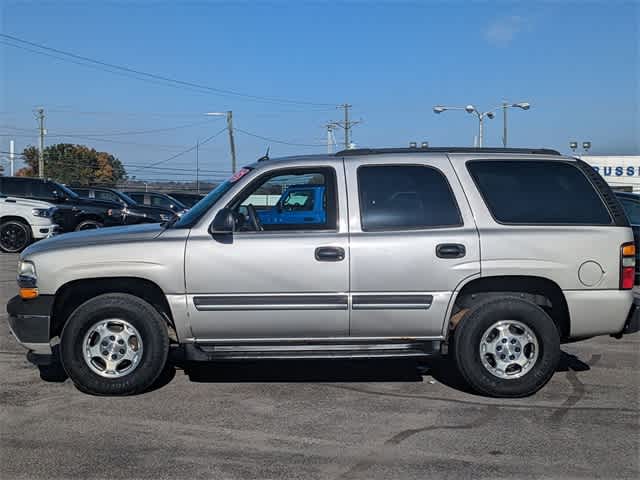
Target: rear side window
538	192
400	197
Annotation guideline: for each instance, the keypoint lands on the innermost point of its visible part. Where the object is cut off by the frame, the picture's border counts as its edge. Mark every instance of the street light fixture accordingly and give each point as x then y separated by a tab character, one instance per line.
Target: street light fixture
490	114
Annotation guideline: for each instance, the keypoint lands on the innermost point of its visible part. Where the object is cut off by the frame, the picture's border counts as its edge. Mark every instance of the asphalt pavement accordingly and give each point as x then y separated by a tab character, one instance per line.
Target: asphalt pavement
323	420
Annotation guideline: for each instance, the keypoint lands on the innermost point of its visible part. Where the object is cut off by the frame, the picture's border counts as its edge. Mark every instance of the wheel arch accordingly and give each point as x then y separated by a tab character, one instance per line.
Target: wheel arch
16	218
540	290
72	294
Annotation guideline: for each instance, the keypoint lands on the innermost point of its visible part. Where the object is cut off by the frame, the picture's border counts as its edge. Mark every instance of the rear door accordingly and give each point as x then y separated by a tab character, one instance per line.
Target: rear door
413	240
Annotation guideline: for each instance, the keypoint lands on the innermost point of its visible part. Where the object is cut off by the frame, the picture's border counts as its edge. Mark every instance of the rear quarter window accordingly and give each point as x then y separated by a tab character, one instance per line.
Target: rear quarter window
538	192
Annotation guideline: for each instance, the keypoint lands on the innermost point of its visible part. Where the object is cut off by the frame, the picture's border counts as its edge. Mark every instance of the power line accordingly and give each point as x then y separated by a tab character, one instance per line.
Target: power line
187	150
170	80
283	142
116	134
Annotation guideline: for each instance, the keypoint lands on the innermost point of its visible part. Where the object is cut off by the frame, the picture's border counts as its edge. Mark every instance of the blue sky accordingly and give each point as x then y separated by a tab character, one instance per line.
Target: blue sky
576	62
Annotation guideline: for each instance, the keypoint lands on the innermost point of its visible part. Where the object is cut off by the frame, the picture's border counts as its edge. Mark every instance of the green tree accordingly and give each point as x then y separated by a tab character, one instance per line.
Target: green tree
69	163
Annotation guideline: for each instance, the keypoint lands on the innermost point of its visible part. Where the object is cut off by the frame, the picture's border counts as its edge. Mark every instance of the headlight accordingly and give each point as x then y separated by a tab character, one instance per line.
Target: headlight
43	212
27	276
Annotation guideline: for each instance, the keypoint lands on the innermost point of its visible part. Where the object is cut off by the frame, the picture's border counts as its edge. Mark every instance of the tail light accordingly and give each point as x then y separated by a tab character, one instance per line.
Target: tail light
627	265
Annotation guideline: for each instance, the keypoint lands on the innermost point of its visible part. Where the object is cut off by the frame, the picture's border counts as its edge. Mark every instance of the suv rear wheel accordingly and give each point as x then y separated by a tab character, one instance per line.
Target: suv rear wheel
506	347
15	236
114	344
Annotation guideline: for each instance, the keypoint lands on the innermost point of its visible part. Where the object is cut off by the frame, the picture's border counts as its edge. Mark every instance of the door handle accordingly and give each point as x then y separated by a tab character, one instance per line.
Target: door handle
450	250
329	254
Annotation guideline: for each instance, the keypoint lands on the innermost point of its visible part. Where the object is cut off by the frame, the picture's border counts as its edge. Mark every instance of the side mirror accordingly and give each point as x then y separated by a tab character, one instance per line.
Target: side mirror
223	223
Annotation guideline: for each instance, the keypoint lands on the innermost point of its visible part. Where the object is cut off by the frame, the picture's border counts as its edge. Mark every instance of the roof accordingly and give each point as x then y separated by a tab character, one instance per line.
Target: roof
379	151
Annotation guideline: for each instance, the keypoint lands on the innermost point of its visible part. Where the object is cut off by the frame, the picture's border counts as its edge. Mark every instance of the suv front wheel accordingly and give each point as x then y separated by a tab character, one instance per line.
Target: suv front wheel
114	344
506	347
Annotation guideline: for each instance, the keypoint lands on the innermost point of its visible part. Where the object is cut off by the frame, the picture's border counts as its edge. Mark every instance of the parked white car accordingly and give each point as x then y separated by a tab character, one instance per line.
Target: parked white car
23	221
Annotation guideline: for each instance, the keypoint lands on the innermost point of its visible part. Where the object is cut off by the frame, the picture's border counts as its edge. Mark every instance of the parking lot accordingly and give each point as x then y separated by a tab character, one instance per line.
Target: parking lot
329	419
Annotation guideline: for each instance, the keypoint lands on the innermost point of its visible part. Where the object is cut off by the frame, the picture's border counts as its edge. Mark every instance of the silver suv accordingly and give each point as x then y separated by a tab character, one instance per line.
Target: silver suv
491	256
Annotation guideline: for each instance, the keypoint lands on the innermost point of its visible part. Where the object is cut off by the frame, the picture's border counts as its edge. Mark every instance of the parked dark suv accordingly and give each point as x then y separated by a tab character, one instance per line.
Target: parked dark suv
132	211
188	199
74	212
158	200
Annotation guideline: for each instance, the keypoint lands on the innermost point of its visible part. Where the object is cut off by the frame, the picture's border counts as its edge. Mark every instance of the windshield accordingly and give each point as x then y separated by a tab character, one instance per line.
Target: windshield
70	193
199	209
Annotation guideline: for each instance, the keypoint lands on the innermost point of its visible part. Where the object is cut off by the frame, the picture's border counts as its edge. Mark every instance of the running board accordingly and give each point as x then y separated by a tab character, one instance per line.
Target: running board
209	352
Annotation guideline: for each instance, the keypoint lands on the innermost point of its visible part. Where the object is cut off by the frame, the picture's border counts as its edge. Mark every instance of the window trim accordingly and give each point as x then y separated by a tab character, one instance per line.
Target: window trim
407	229
277	171
538	224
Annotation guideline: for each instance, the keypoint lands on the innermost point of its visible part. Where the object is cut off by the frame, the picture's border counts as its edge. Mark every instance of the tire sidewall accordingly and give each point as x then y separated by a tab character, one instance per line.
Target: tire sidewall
88	222
472	327
27	230
142	316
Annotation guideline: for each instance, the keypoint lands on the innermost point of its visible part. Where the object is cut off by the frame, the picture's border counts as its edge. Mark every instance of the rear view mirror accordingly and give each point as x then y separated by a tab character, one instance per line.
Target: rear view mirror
223	223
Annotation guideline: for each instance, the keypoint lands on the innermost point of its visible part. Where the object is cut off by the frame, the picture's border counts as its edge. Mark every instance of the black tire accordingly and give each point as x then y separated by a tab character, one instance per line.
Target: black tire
468	336
141	315
15	236
88	225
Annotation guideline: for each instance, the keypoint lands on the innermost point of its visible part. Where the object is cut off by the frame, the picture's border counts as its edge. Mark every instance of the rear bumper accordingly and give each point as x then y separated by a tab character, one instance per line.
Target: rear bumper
632	325
29	322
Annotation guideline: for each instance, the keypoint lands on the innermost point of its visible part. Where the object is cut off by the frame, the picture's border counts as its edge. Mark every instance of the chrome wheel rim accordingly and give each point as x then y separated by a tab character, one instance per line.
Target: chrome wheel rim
112	348
509	349
13	237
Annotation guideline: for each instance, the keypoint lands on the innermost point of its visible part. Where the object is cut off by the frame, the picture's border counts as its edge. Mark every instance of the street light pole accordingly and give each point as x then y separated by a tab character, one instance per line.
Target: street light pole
232	144
489	113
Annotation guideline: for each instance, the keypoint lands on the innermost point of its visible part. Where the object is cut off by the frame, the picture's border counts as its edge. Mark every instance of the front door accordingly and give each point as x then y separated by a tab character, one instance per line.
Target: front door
413	241
270	281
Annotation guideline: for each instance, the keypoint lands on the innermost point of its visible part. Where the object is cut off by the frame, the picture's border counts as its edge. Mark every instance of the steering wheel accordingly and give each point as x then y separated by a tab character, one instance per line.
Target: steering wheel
255	219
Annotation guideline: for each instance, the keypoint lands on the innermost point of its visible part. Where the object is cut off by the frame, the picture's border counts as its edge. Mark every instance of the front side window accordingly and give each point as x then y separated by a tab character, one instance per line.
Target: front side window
401	197
298	201
538	192
138	197
288	200
158	201
106	196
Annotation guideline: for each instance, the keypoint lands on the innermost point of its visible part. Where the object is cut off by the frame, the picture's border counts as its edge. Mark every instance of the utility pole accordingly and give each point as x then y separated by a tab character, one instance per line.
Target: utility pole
198	166
11	155
40	112
346	124
232	143
505	106
331	140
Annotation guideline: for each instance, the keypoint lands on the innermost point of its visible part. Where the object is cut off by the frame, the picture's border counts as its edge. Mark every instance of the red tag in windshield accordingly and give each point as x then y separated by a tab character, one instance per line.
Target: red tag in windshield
239	174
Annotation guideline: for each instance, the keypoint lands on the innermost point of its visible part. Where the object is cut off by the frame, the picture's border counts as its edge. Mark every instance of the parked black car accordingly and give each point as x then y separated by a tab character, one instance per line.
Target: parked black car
74	212
631	204
154	199
133	212
188	199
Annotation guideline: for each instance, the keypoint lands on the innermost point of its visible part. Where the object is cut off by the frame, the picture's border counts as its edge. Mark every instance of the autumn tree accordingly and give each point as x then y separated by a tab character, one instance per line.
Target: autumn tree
69	163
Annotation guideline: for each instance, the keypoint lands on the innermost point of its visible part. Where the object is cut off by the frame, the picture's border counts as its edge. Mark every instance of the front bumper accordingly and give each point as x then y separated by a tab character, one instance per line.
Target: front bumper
29	322
44	231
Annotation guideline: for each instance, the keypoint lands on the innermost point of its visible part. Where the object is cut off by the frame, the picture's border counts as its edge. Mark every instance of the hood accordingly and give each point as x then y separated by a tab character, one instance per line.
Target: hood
100	236
28	202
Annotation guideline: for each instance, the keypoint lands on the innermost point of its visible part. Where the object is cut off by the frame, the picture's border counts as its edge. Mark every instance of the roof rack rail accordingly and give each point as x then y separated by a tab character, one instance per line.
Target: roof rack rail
378	151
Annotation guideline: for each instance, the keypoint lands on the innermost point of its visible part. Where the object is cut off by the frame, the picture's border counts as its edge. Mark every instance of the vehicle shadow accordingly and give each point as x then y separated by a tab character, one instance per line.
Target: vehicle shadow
438	368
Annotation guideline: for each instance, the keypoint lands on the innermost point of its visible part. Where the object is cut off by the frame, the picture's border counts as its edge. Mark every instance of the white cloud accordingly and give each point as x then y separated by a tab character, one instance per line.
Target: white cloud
502	31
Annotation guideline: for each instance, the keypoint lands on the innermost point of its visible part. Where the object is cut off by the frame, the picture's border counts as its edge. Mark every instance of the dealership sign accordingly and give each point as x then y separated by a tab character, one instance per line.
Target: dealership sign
617	171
